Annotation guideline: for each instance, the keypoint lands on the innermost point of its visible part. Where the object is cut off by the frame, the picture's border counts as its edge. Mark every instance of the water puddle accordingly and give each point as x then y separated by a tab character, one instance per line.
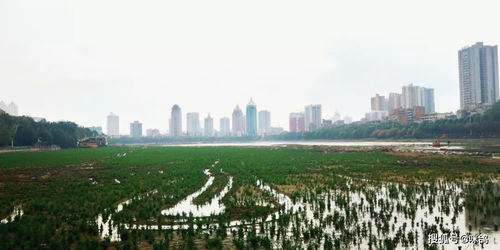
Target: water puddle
17	213
186	208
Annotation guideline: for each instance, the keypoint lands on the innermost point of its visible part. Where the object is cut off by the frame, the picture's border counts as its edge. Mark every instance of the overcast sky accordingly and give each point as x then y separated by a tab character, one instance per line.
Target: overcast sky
81	60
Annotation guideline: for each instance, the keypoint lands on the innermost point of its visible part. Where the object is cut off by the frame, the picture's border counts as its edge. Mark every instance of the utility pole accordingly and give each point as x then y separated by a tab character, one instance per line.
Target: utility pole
12	138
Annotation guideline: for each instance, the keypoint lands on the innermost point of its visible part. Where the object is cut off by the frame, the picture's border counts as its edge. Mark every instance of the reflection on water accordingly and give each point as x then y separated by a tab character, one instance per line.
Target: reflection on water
365	216
187	207
387	215
304	143
482	211
17	213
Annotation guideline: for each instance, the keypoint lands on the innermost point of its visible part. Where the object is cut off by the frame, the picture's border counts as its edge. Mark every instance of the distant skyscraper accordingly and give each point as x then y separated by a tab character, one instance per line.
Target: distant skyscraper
378	103
224	124
264	122
238	122
411	96
176	121
427	95
394	101
415	96
193	124
312	117
251	116
209	126
113	125
478	74
136	129
297	122
10	109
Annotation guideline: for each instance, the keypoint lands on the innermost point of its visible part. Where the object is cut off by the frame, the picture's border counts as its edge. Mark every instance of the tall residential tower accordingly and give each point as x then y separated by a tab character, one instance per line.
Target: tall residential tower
176	121
193	124
136	129
113	125
264	122
238	122
312	117
478	74
209	126
224	127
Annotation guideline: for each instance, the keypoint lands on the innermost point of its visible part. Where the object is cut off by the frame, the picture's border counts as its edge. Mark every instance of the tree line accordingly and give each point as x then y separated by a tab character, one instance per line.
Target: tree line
473	126
24	131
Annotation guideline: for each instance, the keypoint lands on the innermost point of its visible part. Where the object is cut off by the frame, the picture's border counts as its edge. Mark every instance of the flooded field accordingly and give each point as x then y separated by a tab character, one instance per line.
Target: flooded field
264	198
360	214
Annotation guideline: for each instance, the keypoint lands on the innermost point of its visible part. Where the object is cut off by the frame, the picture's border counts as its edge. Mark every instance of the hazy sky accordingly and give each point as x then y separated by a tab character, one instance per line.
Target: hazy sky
81	60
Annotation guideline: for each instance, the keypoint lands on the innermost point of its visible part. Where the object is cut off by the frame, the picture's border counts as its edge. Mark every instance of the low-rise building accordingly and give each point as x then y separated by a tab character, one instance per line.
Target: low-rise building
409	115
438	116
153	132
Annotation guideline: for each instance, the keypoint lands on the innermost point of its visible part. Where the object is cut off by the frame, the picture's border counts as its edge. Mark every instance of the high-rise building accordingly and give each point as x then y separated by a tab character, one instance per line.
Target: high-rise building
394	101
251	119
297	122
312	117
13	109
427	95
136	129
193	124
176	121
238	122
113	127
378	103
209	126
414	96
224	125
478	74
411	96
10	109
264	122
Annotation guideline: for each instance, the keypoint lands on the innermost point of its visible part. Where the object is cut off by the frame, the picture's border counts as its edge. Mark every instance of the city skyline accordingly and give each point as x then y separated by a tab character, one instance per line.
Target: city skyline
70	67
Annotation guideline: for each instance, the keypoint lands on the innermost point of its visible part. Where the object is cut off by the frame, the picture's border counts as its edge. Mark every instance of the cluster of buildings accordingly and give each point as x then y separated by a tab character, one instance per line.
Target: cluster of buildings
10	109
311	119
248	123
478	77
478	74
413	103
